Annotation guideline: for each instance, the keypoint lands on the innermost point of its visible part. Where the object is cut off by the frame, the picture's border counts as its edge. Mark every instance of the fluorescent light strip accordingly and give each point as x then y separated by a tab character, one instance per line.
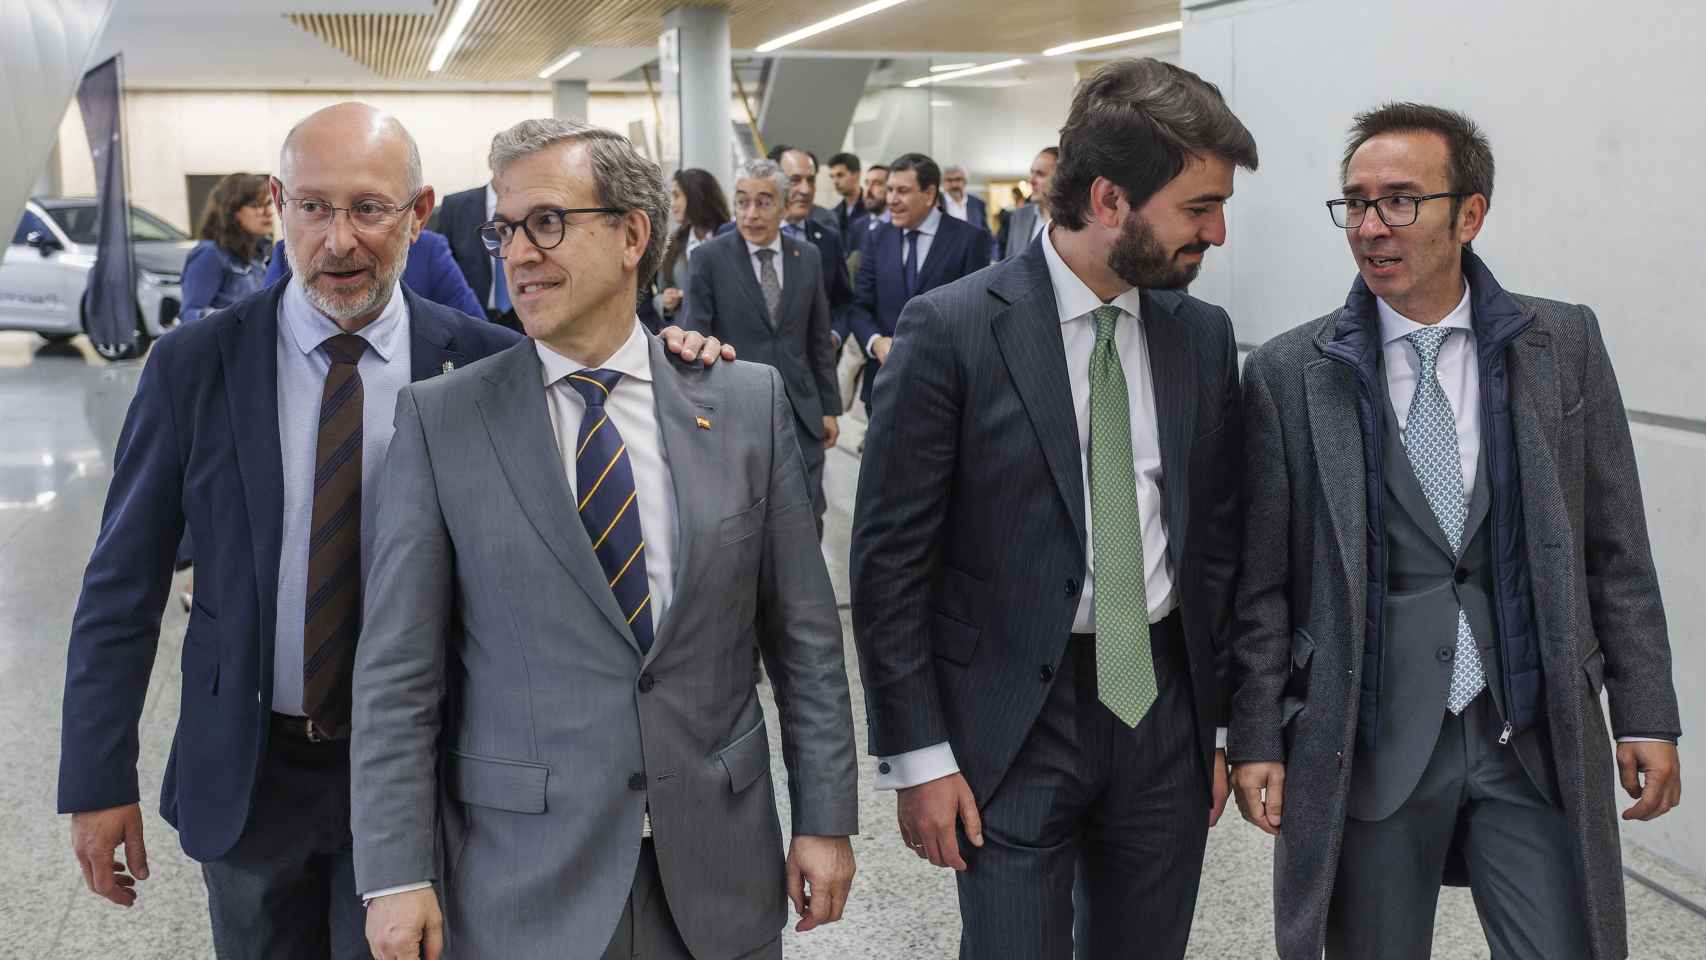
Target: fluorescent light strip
839	19
1114	38
452	35
568	58
940	67
970	72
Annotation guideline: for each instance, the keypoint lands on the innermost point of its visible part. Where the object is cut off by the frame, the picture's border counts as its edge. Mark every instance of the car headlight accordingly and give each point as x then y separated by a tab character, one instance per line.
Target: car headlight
153	279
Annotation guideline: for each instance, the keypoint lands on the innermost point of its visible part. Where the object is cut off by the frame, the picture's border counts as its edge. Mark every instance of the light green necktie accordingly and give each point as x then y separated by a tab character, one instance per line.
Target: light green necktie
1125	674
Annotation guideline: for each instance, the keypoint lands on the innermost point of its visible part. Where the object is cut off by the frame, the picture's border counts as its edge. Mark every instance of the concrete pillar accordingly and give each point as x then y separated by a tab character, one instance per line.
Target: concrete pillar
702	91
568	100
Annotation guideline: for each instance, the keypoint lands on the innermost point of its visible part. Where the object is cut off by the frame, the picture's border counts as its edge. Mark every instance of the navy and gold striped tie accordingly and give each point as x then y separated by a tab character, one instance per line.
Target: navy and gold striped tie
331	616
609	504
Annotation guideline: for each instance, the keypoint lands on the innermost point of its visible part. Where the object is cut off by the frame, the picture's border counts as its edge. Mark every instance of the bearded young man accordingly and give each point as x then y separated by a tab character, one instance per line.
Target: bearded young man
1045	541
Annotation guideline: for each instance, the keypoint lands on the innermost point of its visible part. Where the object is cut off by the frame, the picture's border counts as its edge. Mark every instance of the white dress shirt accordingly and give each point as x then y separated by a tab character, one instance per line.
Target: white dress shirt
302	369
956	208
926	235
758	262
1459	375
1074	304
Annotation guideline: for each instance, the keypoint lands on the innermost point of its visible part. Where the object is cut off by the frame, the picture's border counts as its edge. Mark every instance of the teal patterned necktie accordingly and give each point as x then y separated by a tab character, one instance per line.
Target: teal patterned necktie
1430	439
1125	674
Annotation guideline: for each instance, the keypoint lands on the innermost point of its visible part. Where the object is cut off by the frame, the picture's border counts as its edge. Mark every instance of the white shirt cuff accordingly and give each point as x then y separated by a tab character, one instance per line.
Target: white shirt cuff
368	898
871	345
1644	740
1220	738
916	766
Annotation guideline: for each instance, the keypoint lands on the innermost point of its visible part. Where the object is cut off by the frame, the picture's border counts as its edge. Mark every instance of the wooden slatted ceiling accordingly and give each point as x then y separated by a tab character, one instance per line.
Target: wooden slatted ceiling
510	40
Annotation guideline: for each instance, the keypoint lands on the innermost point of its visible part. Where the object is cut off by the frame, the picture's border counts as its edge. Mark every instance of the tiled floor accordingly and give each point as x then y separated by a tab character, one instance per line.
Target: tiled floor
60	413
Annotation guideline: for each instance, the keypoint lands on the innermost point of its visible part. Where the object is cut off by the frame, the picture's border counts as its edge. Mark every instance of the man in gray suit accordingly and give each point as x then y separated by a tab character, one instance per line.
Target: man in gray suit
1445	562
765	291
580	542
1028	220
1045	542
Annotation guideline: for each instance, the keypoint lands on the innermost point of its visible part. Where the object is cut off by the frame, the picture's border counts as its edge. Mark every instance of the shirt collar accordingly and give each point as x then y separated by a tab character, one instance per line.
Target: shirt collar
931	222
632	359
753	248
309	327
1072	297
1396	326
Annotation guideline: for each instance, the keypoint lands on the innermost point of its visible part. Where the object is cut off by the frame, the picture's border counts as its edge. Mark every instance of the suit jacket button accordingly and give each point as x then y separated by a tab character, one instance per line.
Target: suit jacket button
1071	588
637	781
1445	654
884	767
1462	576
647	682
1047	673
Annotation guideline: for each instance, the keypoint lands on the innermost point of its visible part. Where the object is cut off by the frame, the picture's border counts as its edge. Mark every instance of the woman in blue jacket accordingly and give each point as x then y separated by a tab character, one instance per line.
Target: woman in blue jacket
229	262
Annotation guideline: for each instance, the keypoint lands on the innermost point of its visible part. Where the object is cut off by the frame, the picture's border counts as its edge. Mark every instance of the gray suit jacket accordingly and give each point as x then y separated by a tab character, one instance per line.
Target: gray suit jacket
1304	572
1019	227
729	305
509	735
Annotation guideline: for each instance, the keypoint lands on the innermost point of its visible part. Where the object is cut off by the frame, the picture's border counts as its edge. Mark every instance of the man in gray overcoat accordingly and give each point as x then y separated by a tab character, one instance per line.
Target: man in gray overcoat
1445	563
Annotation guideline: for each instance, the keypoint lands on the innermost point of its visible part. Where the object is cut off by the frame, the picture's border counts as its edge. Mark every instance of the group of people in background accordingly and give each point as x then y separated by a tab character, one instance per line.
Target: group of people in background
1102	578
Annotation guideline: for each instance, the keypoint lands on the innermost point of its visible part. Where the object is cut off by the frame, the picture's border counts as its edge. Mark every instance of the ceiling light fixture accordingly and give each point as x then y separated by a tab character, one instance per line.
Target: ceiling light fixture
567	59
857	13
969	72
452	34
941	67
1114	38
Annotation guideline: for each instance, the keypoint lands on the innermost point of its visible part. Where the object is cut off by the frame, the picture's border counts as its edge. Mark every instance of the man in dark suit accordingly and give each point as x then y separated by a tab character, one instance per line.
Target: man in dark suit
430	271
959	203
1445	562
844	169
459	217
800	165
765	291
262	430
1041	618
920	249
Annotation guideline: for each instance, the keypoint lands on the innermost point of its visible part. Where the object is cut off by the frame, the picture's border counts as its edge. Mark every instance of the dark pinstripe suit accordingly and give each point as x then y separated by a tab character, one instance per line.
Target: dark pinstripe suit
968	549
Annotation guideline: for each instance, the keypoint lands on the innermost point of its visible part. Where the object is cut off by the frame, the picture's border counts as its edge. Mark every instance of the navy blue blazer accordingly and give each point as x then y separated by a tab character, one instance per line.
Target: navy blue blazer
200	452
958	250
835	280
458	217
430	271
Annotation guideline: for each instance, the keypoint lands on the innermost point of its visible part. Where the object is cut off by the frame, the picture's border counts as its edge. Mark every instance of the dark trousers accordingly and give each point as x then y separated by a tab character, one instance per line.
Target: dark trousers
1093	842
812	455
287	889
647	930
1476	795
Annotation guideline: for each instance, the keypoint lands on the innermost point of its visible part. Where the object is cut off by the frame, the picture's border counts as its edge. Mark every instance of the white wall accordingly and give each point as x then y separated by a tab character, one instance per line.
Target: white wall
1594	115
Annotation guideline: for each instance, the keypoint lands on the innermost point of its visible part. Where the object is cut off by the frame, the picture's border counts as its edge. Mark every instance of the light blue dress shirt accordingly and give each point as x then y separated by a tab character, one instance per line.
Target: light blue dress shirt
302	369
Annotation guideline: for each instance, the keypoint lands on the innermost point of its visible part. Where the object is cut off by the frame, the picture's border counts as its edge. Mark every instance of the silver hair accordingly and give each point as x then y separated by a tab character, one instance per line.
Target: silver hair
954	168
622	177
416	180
762	169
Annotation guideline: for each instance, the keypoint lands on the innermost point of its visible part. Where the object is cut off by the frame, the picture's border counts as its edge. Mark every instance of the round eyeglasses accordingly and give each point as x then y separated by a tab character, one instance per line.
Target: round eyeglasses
544	228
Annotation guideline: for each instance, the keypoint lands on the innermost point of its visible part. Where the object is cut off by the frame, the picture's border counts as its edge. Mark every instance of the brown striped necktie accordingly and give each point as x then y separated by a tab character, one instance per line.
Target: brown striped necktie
332	611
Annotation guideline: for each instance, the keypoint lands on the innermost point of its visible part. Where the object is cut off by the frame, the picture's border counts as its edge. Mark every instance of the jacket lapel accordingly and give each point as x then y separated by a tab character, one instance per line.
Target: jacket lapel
432	341
248	350
740	264
942	247
682	397
792	281
1535	416
513	407
1174	378
1028	336
1331	389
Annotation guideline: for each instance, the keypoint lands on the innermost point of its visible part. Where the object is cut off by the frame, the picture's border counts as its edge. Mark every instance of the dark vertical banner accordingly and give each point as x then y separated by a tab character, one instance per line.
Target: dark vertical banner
110	300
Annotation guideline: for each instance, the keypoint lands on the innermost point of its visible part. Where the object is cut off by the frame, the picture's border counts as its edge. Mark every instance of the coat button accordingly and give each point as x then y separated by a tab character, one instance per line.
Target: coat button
1046	673
647	682
884	767
1445	654
1071	587
1462	576
637	781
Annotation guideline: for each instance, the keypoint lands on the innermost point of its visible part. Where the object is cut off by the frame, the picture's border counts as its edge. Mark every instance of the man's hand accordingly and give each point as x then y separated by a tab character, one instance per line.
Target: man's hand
671	300
820	874
94	835
1260	789
1660	788
1221	788
404	926
928	814
692	345
831	431
880	348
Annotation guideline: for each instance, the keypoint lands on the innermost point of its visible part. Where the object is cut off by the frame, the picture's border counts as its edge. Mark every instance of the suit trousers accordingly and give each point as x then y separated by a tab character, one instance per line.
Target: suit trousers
647	930
1093	841
286	891
812	455
1475	795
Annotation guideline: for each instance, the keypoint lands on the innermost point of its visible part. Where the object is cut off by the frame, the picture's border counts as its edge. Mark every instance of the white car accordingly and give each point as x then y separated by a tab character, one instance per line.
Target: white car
46	269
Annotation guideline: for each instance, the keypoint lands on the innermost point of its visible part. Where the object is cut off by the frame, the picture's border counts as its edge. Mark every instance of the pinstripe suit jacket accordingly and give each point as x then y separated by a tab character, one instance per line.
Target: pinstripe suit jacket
969	531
